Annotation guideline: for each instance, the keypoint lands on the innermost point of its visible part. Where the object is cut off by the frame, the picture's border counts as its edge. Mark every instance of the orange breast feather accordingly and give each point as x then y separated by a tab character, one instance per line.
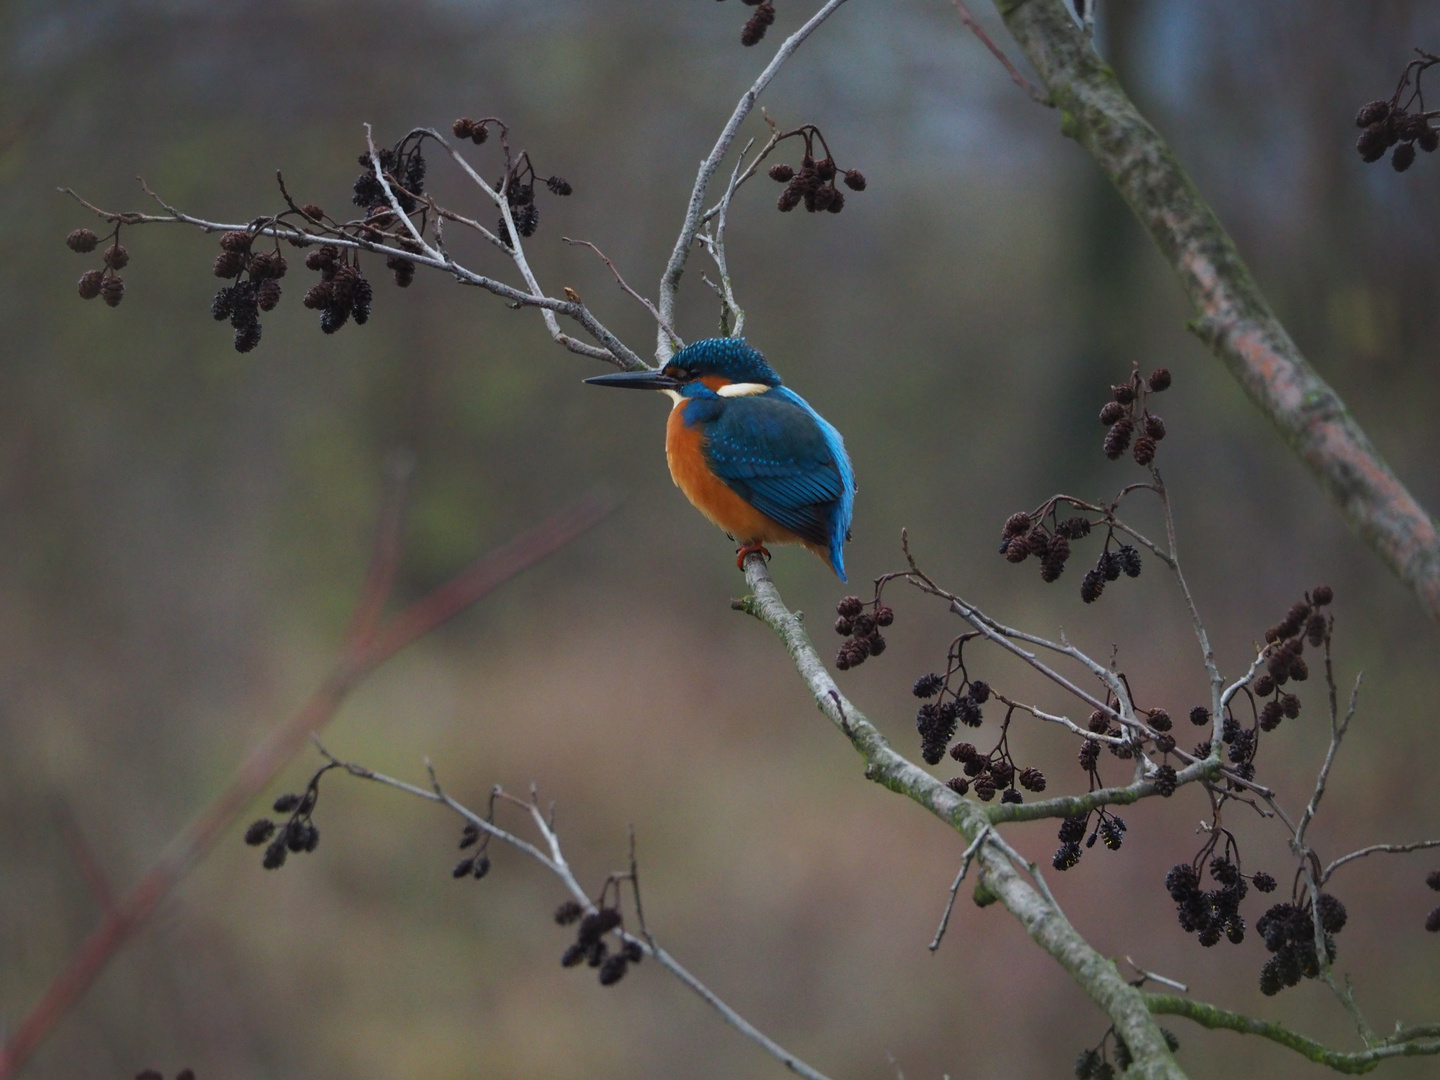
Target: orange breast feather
710	495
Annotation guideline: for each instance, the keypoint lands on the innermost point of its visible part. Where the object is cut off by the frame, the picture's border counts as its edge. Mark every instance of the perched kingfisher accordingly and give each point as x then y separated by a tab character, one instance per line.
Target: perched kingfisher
750	453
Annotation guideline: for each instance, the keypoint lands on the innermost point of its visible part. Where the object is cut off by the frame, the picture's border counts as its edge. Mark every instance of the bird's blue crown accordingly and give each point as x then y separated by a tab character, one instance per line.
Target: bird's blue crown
730	358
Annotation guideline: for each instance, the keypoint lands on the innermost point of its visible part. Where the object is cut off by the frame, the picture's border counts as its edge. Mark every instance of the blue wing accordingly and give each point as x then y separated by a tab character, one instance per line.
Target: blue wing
777	454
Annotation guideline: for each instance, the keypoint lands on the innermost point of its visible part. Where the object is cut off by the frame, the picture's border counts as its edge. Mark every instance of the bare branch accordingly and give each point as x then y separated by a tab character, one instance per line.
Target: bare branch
670	280
1362	1061
1018	79
625	285
1377	849
553	860
965	861
999	880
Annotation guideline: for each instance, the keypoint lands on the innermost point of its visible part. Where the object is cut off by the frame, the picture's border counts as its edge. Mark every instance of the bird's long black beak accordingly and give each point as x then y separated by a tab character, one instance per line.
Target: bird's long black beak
637	380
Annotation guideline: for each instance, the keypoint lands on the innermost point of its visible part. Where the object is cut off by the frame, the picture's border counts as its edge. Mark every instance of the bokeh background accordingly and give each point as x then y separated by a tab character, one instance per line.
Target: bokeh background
184	528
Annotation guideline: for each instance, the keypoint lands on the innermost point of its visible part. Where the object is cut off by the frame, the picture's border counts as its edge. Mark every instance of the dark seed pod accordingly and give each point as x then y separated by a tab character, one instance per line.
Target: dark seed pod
754	29
1165	743
1066	857
1432	921
1332	913
1159	380
849	606
1117	439
228	264
275	854
1144	450
1129	559
89	286
1270	716
1322	595
1092	586
259	832
979	691
1016	524
964	751
1154	427
1263	882
958	784
268	294
1428	140
574	956
984	788
844	626
782	174
1165	781
613	969
927	686
884	616
113	290
1160	720
855	180
1017	550
82	240
1264	686
789	198
1123	393
1372	112
1403	157
1111	412
247	337
1032	779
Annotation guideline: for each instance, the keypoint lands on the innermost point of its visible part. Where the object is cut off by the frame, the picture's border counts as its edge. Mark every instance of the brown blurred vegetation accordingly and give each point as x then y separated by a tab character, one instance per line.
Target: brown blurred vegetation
183	528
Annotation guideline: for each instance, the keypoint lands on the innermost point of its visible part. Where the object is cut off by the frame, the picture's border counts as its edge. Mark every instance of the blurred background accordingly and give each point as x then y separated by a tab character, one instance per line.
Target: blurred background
183	530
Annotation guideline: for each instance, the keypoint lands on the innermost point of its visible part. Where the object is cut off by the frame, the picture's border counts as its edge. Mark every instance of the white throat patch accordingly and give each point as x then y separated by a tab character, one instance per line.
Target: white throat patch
742	389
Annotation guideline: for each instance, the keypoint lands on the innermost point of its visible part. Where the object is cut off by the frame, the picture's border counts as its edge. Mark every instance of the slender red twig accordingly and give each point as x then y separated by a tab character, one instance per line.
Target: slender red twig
370	642
1016	77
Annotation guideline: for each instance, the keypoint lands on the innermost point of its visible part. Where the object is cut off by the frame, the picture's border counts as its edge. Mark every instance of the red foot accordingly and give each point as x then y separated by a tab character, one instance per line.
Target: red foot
746	550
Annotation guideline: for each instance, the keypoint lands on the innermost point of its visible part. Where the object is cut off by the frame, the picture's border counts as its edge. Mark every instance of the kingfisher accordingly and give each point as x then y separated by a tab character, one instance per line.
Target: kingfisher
749	452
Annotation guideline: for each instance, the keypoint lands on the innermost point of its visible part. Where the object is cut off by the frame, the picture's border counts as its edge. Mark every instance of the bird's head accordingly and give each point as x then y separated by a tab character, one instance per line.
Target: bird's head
724	366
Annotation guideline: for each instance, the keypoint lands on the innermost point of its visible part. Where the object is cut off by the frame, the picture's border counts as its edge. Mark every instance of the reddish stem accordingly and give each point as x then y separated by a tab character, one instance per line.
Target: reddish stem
369	644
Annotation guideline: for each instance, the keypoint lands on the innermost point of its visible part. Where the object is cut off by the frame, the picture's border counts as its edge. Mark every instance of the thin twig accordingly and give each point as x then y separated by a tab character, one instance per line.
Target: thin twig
1150	976
1377	849
965	860
553	859
625	285
1018	79
675	267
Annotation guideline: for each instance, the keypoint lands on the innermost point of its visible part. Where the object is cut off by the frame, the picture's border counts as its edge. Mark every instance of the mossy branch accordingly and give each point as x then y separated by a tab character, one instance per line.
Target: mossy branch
1232	316
1406	1042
